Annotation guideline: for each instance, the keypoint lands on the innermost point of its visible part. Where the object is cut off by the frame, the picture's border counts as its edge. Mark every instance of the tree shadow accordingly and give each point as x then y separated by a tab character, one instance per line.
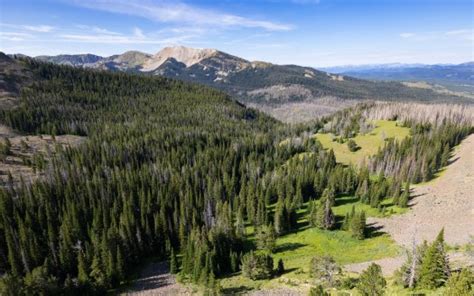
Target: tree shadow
288	271
301	225
153	276
373	230
240	290
417	195
341	202
288	247
451	161
339	221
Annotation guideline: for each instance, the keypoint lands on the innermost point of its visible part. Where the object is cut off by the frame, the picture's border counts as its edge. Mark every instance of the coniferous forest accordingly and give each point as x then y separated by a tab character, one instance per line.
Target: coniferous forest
171	168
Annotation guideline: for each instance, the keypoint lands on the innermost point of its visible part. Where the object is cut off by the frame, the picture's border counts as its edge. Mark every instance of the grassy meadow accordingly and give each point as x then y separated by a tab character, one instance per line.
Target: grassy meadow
368	143
297	248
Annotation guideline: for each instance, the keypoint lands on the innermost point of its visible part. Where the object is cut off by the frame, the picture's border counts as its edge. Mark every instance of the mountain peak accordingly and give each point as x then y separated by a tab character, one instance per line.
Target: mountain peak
186	55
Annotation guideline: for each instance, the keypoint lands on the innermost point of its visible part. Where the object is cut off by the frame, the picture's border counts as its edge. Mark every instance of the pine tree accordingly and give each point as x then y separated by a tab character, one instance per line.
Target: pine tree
281	218
405	197
321	215
281	267
357	225
266	238
234	264
82	267
173	262
371	281
445	155
330	196
435	265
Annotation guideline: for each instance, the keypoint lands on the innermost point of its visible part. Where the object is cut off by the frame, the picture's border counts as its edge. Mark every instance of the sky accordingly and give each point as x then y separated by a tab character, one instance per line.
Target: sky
317	33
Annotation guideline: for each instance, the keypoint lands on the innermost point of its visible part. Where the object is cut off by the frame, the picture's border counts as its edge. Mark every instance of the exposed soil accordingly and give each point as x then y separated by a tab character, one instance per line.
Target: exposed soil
445	202
155	279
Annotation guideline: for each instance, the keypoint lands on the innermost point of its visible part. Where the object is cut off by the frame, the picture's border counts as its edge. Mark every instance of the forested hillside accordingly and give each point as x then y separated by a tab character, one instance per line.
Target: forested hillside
174	168
290	93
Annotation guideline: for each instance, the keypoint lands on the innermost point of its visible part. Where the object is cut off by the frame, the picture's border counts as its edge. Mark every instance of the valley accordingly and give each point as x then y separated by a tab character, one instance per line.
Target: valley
197	172
236	148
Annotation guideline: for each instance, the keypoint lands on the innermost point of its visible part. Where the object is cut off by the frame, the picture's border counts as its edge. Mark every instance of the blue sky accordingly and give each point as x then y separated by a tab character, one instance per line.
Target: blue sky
315	33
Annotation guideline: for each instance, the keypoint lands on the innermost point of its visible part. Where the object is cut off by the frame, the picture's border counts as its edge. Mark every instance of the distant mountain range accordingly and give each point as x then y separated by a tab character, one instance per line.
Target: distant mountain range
455	77
288	92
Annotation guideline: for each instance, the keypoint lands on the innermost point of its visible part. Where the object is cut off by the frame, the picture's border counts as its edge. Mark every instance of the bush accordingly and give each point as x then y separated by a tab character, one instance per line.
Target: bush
257	267
348	283
352	145
324	269
10	285
39	282
317	291
461	283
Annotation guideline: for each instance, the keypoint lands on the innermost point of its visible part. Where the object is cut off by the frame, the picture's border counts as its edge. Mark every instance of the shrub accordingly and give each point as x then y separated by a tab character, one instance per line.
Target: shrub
461	283
348	283
324	269
257	266
352	145
317	291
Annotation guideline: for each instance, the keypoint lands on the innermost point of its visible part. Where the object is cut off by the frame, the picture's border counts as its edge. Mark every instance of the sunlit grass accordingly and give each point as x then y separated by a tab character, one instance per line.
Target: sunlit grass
368	143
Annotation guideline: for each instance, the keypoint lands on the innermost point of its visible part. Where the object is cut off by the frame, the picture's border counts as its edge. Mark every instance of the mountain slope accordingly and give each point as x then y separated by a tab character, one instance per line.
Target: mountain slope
455	77
266	86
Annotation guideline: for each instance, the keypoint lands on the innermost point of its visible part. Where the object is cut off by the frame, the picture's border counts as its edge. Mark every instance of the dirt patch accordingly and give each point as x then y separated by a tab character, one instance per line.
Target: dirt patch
20	164
276	292
155	279
445	202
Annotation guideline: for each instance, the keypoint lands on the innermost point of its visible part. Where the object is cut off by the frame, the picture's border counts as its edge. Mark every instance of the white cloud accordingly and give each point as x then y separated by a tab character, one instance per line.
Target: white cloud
14	36
458	32
96	29
461	34
407	35
138	33
136	38
177	12
40	28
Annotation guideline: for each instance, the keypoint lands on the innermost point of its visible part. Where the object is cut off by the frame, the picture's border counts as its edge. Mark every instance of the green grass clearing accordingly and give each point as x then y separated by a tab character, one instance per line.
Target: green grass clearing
344	205
297	248
368	143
